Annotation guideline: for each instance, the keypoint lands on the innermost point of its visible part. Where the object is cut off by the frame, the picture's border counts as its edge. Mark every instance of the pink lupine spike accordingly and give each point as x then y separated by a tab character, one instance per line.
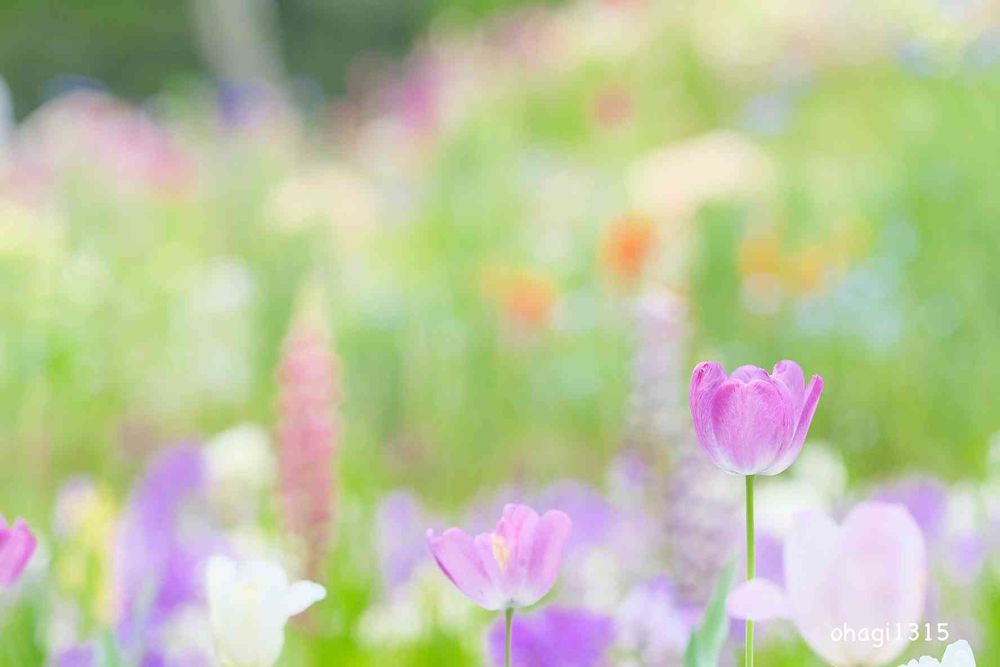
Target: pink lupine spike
308	432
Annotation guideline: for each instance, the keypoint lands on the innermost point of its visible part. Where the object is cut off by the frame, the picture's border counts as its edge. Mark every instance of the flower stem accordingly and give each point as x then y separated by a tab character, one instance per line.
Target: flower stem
510	616
751	563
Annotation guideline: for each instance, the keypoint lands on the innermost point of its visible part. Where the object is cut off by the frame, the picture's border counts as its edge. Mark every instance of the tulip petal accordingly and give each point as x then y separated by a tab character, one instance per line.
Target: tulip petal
751	424
866	574
748	373
456	554
959	654
883	577
517	531
550	537
812	549
17	545
705	379
301	595
757	600
790	374
500	582
809	403
791	452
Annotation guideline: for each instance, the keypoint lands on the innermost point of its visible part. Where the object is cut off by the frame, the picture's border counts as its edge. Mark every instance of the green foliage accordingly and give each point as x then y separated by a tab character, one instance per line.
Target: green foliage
705	645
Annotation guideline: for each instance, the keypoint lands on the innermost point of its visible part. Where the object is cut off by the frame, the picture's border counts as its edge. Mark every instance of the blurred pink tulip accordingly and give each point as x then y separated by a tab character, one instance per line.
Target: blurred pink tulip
852	591
514	566
17	544
752	422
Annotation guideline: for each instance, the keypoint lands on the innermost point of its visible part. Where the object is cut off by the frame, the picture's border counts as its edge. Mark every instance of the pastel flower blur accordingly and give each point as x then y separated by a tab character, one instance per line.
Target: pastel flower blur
17	545
958	654
554	637
514	566
752	422
869	572
249	604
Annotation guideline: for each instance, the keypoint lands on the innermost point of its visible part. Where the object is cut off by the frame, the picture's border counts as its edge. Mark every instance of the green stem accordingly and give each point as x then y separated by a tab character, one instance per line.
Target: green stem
510	616
751	563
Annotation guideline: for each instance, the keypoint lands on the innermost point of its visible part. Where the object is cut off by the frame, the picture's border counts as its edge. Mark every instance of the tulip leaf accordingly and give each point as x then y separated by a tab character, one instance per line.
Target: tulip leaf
706	641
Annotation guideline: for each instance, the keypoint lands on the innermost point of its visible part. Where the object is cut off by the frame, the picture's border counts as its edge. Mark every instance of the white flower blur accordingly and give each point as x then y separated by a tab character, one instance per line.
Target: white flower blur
958	654
249	604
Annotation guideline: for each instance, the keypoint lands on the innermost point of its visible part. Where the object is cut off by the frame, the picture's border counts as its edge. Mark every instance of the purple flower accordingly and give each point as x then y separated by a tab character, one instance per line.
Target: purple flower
653	625
593	517
752	422
399	537
17	544
701	523
514	566
661	472
926	500
770	558
556	637
84	655
656	405
161	550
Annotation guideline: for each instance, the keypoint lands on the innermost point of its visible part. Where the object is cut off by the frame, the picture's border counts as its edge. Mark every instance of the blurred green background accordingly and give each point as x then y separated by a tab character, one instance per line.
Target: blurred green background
143	46
482	190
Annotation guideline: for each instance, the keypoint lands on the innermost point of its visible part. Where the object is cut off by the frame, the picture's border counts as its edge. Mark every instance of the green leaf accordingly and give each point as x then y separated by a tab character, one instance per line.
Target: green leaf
706	641
112	657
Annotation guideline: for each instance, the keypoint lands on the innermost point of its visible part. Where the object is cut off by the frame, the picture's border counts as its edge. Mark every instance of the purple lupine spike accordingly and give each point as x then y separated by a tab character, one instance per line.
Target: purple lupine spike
697	507
702	523
656	410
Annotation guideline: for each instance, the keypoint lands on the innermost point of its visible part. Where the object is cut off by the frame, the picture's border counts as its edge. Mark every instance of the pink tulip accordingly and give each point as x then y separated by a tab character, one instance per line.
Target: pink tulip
853	591
17	544
752	422
514	566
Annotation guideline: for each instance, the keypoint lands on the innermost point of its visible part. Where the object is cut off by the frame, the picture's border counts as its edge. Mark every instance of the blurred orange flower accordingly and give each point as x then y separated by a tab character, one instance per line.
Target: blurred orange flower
627	246
760	255
809	269
525	298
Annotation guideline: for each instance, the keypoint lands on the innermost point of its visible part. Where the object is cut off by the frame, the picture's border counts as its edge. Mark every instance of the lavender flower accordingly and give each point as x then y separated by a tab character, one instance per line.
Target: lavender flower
555	637
657	404
701	522
925	499
160	551
400	544
698	508
84	655
652	625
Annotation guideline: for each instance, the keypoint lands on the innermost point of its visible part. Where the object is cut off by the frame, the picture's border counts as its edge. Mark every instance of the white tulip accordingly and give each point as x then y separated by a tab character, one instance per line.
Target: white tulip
249	604
958	654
